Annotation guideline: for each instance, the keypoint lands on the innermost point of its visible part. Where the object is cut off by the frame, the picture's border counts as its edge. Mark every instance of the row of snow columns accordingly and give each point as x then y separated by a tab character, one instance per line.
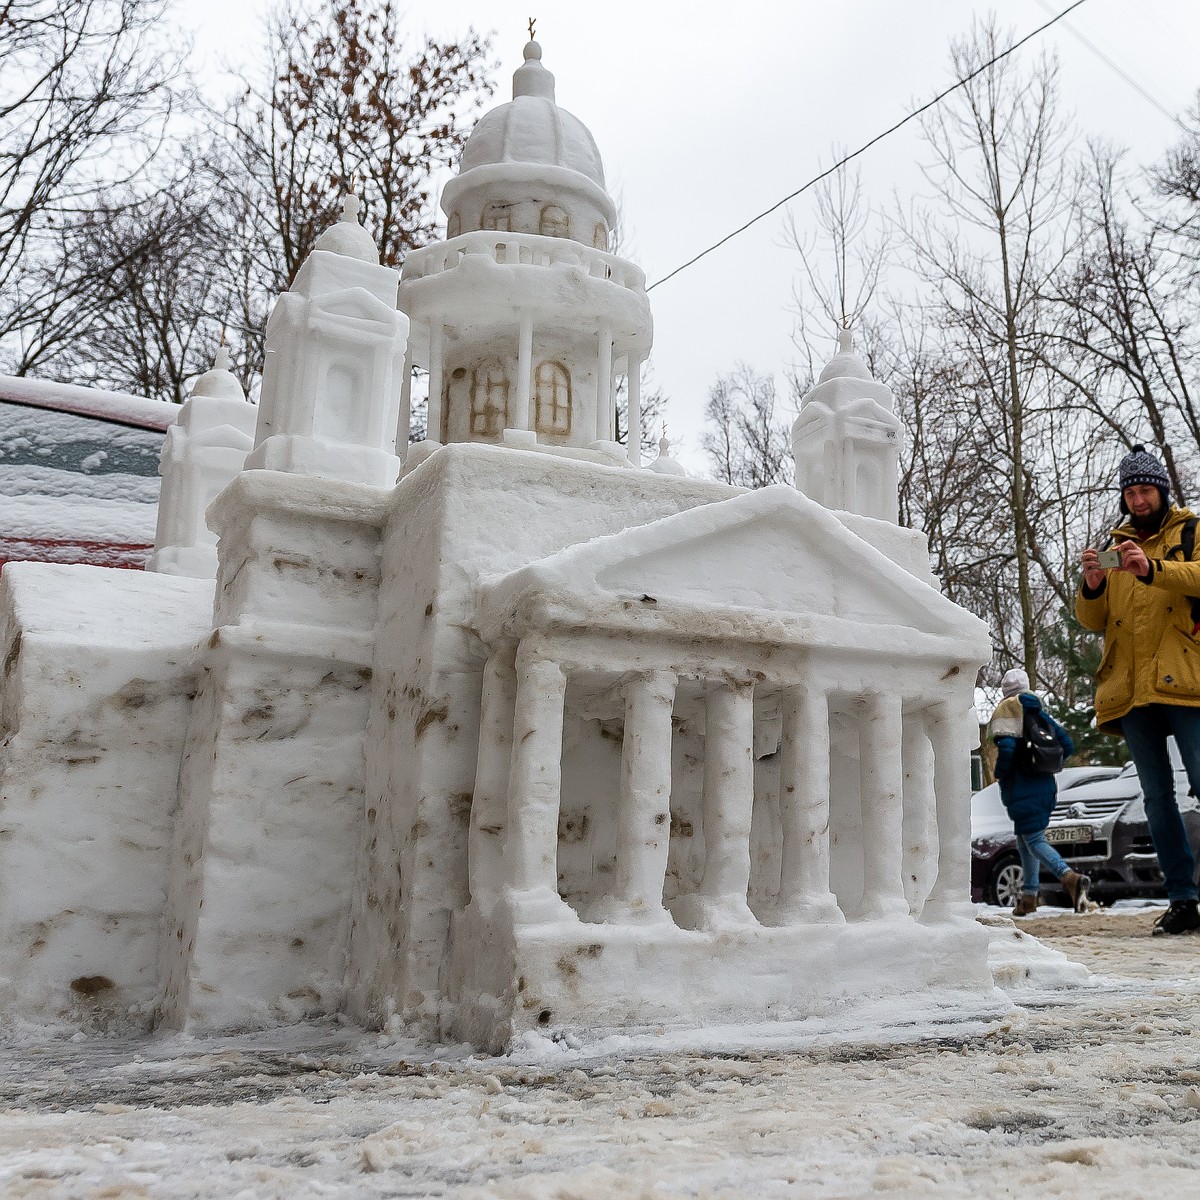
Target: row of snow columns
521	416
518	795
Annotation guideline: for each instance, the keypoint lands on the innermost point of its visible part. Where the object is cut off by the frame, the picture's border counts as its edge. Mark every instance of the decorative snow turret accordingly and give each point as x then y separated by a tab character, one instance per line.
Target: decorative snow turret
664	464
331	380
522	318
846	440
203	451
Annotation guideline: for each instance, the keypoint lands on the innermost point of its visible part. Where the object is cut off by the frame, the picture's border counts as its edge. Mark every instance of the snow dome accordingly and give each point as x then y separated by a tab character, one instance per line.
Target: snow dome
531	167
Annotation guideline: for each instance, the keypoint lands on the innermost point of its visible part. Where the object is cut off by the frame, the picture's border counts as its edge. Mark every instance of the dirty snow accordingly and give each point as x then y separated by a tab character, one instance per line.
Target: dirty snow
1090	1091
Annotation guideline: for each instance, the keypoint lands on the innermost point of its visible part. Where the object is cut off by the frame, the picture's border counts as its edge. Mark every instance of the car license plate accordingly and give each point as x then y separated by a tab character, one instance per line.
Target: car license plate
1069	833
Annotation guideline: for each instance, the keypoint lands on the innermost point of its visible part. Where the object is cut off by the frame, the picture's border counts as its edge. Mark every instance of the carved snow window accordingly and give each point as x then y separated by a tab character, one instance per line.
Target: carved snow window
554	222
600	236
454	225
489	401
497	216
342	411
552	393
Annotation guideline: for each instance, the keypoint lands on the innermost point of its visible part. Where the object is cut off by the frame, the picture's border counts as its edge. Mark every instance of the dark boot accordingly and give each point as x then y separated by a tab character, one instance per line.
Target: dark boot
1026	904
1182	916
1077	888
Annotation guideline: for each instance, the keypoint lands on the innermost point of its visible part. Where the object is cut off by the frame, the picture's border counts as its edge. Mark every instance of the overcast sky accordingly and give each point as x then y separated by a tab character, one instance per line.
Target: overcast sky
707	114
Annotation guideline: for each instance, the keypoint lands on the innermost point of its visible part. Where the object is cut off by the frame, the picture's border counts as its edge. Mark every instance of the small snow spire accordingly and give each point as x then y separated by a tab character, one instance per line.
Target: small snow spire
531	78
346	236
664	464
845	364
220	381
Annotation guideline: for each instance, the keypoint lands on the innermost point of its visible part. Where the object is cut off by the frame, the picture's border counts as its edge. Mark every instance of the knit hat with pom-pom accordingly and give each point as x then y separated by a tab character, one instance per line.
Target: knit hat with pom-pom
1140	466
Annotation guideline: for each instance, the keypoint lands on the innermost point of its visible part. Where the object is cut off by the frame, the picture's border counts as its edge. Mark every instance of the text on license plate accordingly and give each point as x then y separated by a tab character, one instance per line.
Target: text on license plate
1069	833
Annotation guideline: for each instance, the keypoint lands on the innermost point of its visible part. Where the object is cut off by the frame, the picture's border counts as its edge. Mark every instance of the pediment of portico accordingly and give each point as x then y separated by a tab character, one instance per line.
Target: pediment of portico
772	557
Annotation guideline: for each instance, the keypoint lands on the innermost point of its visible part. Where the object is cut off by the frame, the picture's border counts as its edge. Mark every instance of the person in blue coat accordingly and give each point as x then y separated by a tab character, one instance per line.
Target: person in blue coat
1029	796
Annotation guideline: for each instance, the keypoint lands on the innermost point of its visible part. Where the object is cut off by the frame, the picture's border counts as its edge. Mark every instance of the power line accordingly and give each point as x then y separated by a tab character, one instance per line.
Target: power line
867	145
1108	62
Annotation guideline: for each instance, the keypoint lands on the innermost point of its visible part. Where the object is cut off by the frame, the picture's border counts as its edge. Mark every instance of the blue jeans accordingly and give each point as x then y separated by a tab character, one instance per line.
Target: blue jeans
1036	852
1146	730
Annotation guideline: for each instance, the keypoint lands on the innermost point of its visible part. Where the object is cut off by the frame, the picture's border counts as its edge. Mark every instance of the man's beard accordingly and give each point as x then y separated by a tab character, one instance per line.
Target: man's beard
1151	522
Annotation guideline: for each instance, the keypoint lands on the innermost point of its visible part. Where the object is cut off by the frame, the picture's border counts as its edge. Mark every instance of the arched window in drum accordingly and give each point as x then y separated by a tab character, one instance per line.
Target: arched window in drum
552	395
489	400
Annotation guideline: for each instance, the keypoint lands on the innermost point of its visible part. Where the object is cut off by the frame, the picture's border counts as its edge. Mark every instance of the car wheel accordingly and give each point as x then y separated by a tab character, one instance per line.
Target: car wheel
1004	883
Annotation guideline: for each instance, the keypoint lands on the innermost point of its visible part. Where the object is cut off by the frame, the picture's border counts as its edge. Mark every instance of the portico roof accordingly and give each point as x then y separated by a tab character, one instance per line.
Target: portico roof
766	566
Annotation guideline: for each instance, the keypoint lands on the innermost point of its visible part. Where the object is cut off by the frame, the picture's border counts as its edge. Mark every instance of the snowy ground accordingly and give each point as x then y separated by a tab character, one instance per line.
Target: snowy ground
1089	1092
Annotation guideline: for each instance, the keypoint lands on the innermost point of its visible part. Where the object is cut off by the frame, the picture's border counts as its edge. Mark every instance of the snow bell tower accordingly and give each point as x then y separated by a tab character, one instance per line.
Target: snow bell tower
335	342
846	440
522	318
202	452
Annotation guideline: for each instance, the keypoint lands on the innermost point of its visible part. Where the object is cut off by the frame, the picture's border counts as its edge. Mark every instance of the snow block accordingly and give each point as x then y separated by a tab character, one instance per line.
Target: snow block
99	671
271	788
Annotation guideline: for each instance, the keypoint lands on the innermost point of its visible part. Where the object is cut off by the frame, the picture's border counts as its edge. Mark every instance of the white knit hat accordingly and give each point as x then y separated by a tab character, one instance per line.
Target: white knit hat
1014	681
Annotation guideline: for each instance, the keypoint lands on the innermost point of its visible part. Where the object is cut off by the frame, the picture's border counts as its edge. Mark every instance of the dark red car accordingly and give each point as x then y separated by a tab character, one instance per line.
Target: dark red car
78	473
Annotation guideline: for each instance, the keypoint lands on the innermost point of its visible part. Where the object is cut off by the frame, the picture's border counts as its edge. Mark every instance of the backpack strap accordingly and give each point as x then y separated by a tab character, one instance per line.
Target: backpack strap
1187	543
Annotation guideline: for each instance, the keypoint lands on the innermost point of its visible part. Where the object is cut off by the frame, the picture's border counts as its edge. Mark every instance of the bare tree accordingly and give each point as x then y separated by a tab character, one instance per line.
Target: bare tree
1177	180
1123	344
156	270
747	441
347	104
1001	165
842	259
86	93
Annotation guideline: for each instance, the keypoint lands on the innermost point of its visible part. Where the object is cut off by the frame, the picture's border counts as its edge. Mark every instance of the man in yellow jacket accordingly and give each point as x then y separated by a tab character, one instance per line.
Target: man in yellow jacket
1148	683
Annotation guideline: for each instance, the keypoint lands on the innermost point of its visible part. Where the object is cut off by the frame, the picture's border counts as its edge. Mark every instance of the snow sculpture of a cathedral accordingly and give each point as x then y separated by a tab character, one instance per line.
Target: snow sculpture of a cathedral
528	739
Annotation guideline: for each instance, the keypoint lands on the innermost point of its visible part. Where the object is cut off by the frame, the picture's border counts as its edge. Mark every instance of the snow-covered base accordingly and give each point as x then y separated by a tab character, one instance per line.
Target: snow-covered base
1077	1094
1019	962
99	670
589	980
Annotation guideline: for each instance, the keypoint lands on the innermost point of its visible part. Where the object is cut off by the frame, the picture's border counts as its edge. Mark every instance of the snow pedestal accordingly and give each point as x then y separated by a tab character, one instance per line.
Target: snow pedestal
203	451
573	776
99	669
334	364
271	780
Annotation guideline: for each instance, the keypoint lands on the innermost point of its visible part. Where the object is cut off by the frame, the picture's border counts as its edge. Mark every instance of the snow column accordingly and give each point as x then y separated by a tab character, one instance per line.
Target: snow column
488	815
404	427
951	895
534	789
644	815
633	433
728	806
881	740
521	414
604	385
433	413
918	868
804	893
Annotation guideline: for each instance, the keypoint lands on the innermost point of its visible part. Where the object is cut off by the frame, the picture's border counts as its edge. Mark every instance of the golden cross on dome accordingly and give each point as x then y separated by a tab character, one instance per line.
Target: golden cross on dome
532	23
